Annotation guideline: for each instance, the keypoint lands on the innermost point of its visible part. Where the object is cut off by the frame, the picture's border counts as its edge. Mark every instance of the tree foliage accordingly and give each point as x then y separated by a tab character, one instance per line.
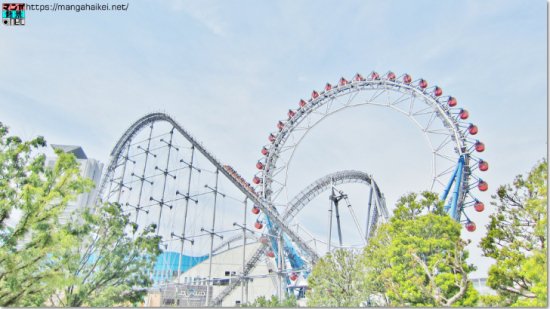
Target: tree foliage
32	244
418	258
111	265
517	239
335	280
96	259
274	301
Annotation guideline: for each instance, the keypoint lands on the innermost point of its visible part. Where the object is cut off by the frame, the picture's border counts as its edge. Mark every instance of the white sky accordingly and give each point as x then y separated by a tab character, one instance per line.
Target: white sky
228	71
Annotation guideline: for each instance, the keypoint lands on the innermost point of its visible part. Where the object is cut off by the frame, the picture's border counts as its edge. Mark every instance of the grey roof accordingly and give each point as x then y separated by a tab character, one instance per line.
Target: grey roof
76	150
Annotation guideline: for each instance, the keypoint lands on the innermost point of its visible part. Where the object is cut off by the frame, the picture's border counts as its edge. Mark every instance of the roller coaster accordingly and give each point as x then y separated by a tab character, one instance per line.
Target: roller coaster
202	207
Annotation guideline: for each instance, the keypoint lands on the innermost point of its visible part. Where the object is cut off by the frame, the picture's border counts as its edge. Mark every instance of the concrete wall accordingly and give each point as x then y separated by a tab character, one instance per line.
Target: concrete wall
232	261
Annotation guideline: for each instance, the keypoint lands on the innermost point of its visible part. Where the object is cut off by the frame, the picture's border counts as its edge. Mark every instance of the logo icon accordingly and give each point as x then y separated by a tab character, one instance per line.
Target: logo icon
13	14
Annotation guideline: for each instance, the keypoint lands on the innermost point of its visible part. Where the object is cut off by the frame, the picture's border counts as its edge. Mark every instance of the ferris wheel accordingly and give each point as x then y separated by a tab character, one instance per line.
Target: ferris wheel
162	175
444	124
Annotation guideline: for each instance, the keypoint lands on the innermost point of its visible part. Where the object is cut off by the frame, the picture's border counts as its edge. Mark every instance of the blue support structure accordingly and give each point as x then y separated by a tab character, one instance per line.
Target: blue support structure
456	179
274	244
458	185
295	259
445	193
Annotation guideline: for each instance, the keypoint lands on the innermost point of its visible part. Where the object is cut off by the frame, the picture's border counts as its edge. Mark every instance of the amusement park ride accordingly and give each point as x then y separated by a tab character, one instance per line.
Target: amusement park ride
201	207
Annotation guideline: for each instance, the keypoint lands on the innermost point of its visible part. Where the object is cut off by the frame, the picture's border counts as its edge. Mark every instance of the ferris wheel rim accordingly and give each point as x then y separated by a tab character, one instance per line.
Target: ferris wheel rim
433	100
344	108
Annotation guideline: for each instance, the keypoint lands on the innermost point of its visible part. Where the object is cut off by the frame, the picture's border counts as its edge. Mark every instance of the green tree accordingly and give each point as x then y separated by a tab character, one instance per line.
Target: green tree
335	281
517	239
274	301
418	258
35	240
98	258
111	265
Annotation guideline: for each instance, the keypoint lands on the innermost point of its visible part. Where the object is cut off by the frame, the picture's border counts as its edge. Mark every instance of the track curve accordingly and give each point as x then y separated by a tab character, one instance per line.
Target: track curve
300	201
265	206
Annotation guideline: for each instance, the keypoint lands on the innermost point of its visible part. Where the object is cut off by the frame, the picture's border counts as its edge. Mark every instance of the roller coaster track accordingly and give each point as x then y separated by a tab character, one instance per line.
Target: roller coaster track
264	205
399	93
322	184
299	202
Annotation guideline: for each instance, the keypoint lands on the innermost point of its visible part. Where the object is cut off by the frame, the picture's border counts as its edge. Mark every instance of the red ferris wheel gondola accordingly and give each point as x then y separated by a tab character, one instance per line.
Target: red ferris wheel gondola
423	84
452	101
472	129
480	147
438	91
255	210
407	79
291	113
343	81
314	94
482	185
358	77
470	226
483	165
464	114
479	206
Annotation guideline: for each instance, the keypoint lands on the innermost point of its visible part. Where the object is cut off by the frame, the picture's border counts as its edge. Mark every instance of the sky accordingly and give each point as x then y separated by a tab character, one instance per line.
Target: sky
228	71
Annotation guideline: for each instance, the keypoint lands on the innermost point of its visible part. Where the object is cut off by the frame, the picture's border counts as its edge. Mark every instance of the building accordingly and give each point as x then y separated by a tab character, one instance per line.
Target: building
89	168
166	266
480	284
193	289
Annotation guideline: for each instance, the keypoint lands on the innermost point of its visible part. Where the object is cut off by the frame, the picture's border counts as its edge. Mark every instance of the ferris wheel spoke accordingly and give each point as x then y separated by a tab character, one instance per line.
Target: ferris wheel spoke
449	158
446	171
351	98
430	122
376	94
444	143
438	132
276	172
439	181
404	112
424	111
402	98
374	103
328	104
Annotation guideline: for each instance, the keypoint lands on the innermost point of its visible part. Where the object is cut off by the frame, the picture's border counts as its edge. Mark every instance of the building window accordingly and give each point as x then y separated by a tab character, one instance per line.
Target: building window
217	281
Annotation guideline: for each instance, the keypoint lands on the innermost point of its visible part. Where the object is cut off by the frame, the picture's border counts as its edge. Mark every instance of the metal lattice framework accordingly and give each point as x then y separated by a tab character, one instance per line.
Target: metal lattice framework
377	213
164	176
443	124
155	172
